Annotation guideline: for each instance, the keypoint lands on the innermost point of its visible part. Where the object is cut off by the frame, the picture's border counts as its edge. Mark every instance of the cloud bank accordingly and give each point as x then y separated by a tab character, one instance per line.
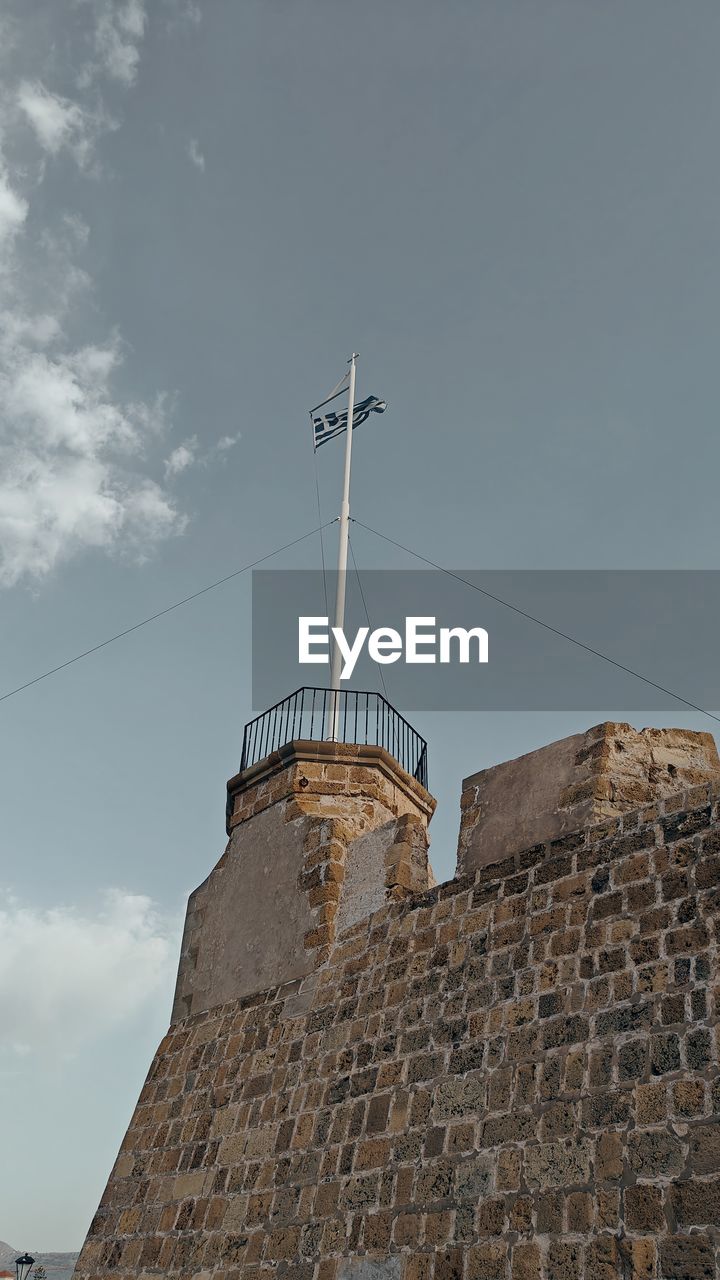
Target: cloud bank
75	456
68	978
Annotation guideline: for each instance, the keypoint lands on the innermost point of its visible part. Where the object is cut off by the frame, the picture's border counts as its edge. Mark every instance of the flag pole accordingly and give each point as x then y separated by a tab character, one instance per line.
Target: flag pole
342	558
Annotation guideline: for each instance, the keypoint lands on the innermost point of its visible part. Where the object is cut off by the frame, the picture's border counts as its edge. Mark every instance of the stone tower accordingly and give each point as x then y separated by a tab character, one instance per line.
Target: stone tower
510	1076
321	834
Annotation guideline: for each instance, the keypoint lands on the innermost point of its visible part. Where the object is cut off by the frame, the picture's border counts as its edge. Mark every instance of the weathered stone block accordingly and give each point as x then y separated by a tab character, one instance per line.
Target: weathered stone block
655	1152
704	1144
644	1208
526	1262
687	1258
369	1269
609	1157
459	1097
556	1164
697	1202
486	1262
473	1178
564	1258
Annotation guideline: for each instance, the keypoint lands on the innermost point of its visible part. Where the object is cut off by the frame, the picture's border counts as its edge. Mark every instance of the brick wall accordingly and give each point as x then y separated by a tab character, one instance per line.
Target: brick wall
511	1077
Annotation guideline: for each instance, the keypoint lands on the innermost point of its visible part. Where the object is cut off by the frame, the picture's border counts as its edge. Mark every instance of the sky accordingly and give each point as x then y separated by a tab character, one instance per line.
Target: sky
510	211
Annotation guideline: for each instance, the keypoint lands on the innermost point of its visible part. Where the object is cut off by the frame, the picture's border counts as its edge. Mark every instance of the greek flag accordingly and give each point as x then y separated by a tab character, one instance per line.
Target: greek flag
331	424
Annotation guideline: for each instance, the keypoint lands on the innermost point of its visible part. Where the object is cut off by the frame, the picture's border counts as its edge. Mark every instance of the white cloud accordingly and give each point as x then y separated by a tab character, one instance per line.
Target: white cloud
196	155
181	458
189	12
69	454
57	122
180	14
187	454
68	977
37	330
63	402
8	36
53	507
228	442
73	452
118	30
13	209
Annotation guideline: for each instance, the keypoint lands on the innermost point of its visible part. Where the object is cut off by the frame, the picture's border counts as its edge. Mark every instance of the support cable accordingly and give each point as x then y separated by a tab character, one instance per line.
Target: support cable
320	531
580	644
161	614
367	615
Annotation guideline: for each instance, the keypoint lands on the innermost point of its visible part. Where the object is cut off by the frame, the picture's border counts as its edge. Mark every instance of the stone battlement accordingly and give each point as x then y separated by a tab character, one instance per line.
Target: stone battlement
576	783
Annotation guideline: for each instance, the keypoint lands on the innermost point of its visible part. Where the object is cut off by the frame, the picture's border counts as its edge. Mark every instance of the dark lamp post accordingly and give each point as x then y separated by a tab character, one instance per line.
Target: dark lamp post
23	1265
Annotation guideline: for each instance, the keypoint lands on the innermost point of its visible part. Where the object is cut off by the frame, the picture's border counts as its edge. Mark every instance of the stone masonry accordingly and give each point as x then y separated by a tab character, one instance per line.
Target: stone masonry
575	783
321	834
511	1076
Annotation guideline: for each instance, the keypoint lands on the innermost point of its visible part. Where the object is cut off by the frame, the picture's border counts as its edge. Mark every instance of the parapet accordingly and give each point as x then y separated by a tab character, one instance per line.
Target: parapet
576	783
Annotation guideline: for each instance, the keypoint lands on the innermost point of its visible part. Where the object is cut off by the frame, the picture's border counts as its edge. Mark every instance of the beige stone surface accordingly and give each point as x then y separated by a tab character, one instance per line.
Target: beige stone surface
513	1076
574	783
321	835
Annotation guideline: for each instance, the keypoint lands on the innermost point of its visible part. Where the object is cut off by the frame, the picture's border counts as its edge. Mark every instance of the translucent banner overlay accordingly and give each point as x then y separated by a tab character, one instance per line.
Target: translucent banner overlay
557	640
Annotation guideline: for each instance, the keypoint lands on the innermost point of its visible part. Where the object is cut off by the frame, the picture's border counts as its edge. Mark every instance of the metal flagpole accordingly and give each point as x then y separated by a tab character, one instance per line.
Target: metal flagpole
342	559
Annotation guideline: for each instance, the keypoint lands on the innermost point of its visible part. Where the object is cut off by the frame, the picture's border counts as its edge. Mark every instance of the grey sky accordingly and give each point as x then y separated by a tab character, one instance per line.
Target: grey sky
510	210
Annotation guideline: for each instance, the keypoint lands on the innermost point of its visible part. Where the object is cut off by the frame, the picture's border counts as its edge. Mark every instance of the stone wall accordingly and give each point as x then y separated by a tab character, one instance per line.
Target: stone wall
513	1076
576	783
321	834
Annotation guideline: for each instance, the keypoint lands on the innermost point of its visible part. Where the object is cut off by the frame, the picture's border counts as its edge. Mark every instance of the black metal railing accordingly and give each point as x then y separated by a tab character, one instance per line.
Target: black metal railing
358	717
